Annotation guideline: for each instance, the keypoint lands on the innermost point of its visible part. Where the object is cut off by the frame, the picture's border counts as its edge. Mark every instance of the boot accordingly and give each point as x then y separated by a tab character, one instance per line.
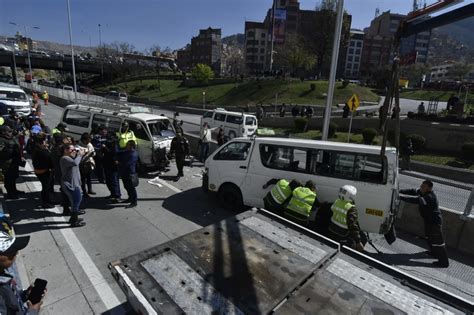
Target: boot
75	221
441	254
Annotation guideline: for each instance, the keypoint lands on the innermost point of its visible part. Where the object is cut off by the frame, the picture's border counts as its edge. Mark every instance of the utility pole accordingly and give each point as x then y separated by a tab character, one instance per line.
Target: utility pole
273	36
72	52
101	57
332	75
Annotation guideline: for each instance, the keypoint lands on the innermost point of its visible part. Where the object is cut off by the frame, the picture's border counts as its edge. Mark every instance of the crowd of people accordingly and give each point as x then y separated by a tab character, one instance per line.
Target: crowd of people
59	159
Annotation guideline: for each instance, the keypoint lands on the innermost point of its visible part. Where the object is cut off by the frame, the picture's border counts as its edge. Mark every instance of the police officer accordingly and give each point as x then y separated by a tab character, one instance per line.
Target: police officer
429	211
59	129
280	194
11	160
180	148
302	202
125	135
344	222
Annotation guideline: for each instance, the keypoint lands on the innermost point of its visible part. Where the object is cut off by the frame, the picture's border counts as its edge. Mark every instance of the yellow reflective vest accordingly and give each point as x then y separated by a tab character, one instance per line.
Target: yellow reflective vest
125	137
2	121
281	191
302	201
340	208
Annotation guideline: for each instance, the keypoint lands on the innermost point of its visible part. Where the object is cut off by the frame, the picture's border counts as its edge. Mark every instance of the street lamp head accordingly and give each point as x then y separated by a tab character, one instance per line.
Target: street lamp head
36	27
12	23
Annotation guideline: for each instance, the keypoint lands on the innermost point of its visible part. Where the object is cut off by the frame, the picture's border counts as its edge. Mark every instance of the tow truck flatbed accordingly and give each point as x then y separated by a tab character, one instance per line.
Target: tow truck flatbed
259	263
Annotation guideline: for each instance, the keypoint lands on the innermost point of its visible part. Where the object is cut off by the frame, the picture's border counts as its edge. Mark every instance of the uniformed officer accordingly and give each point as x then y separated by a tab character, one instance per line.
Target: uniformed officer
180	148
277	198
344	225
429	211
302	202
59	129
125	135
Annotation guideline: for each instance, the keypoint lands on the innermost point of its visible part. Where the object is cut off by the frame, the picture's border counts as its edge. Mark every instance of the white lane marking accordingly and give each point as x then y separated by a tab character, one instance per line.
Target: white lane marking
22	274
164	183
103	289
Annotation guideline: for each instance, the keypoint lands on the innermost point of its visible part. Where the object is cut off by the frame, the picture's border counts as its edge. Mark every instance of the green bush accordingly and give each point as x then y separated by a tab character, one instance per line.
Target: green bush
468	151
332	130
368	135
300	124
417	141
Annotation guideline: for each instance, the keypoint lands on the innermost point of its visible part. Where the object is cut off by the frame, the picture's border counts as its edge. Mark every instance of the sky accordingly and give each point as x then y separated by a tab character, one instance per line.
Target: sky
144	23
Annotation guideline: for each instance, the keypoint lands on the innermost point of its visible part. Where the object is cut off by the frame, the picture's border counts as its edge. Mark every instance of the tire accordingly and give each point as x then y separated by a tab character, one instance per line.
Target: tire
232	135
230	197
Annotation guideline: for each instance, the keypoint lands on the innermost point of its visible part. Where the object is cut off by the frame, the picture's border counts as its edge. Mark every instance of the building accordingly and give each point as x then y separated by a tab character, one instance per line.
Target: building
206	48
378	43
354	54
290	20
184	59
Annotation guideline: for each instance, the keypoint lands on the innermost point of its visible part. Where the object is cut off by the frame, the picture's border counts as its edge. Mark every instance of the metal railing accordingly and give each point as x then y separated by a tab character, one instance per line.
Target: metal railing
60	93
470	203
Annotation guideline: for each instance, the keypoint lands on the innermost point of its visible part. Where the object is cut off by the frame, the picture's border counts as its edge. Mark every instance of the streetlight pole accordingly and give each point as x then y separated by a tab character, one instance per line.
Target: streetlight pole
203	100
72	51
101	57
332	74
273	36
27	44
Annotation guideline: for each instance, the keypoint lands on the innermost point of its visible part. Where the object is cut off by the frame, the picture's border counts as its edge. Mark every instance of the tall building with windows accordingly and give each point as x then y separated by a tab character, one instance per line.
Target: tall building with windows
206	48
354	54
256	37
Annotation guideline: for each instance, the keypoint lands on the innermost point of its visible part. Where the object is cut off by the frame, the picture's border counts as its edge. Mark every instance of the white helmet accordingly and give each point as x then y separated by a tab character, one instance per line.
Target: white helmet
348	193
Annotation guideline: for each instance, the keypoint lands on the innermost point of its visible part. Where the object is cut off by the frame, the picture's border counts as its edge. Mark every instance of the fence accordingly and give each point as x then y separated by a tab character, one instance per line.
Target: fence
62	94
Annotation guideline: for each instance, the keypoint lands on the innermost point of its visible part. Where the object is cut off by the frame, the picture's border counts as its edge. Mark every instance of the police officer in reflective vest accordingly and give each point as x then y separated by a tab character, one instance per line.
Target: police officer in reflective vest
125	135
279	195
344	222
433	220
302	202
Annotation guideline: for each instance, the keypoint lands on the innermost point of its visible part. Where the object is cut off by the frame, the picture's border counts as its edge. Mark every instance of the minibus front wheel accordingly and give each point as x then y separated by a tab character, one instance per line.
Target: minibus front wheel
230	197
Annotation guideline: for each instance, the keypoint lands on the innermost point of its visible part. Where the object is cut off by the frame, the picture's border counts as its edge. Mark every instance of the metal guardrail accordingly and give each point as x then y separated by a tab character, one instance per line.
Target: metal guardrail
60	93
469	205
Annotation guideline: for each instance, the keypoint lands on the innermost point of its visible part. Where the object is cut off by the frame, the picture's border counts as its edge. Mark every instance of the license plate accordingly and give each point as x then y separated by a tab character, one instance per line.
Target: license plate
378	213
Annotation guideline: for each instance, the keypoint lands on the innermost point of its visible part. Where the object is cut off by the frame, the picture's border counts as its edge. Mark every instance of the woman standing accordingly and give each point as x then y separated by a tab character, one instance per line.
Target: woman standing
87	165
71	181
43	166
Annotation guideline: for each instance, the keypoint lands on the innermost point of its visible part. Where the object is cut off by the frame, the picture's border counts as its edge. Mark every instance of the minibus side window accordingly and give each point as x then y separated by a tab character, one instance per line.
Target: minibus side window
219	117
138	130
111	123
234	119
77	118
284	158
208	114
250	121
234	151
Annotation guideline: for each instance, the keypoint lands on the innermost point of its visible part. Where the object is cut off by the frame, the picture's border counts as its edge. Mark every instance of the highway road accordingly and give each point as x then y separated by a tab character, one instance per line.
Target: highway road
74	261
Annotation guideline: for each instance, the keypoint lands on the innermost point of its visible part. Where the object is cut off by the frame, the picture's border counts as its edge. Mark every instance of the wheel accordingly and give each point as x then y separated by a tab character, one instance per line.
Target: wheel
232	134
230	197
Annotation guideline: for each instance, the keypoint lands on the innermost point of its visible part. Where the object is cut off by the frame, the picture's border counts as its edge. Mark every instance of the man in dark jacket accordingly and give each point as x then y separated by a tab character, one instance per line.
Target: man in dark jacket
110	163
429	211
128	160
12	299
180	148
11	160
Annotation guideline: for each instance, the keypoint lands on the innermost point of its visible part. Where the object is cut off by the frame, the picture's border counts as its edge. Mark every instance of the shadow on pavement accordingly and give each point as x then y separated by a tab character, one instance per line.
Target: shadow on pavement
196	206
403	259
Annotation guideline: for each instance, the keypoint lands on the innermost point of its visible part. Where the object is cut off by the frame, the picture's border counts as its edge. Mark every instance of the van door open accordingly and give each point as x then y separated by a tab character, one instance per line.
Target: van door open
144	145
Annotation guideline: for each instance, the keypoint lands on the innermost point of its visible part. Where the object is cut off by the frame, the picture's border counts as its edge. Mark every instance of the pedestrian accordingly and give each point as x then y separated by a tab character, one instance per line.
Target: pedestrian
128	159
282	110
204	141
344	225
71	181
110	162
13	300
45	97
11	160
345	111
295	111
428	207
60	140
260	112
220	136
303	111
278	197
421	109
60	128
178	126
452	102
406	151
43	167
180	148
87	165
395	111
99	141
309	112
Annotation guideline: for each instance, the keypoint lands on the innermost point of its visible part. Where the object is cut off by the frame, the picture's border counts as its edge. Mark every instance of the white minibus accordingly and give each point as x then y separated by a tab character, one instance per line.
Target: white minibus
238	170
234	124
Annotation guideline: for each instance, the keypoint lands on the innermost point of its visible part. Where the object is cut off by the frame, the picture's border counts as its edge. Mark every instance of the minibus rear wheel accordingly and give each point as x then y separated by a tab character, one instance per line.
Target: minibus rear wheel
230	197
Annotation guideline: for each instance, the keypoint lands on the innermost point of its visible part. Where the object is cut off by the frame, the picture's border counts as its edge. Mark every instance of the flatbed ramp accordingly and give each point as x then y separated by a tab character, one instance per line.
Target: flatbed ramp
257	263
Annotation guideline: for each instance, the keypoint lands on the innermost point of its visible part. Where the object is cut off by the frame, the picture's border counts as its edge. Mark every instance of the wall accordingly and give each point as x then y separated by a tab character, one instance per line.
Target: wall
458	233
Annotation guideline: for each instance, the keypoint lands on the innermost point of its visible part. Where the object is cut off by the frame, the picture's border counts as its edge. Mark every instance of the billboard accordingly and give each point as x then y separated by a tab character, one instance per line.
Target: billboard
279	31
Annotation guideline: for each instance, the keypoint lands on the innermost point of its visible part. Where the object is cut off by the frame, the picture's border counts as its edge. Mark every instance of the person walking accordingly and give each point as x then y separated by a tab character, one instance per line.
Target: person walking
344	225
110	162
295	111
60	140
428	207
43	167
87	164
45	97
406	151
220	137
71	181
282	110
180	148
99	141
205	140
128	172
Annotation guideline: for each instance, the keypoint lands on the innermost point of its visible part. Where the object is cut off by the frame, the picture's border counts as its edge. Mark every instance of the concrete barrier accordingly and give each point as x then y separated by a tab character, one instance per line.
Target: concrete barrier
460	175
458	231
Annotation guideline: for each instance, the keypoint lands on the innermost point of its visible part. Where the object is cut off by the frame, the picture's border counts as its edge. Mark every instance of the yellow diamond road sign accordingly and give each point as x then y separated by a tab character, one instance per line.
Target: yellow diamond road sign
353	102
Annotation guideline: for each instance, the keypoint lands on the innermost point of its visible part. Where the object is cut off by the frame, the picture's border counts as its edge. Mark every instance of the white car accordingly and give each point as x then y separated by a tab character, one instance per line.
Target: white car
15	98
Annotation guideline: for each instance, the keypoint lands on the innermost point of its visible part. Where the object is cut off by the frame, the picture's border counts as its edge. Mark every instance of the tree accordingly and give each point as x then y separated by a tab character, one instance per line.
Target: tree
202	73
318	33
154	50
459	70
414	72
294	56
234	63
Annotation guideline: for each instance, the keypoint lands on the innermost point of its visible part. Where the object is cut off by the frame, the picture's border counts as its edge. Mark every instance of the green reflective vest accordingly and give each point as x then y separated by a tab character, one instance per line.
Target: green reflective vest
55	131
2	121
125	137
340	208
302	201
281	191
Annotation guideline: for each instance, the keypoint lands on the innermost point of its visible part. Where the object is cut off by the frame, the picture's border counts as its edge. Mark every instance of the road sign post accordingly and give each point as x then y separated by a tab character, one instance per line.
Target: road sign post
353	103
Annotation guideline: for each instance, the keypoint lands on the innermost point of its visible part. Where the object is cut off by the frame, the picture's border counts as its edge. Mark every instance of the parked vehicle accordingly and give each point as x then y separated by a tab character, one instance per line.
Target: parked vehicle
67	88
153	132
15	98
234	124
238	171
